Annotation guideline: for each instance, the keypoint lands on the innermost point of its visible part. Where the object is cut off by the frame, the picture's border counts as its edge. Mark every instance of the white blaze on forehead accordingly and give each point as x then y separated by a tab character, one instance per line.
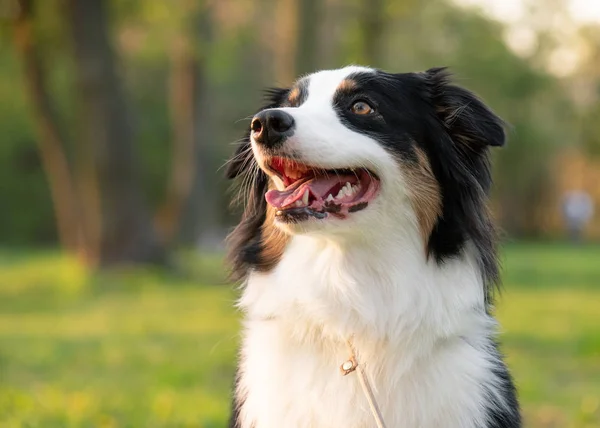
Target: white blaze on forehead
323	84
319	135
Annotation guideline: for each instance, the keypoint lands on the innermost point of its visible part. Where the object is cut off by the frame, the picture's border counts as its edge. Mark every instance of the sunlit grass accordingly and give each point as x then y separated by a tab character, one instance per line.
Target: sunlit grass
550	315
151	349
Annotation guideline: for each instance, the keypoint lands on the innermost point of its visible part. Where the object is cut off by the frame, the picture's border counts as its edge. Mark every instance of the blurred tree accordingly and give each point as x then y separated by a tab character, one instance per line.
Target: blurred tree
587	88
334	22
372	22
183	106
51	139
189	73
189	209
284	41
309	16
198	203
294	38
533	103
107	135
590	129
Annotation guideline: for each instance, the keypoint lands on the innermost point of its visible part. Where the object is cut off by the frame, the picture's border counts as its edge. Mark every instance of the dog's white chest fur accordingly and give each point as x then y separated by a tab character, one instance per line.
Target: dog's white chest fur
420	329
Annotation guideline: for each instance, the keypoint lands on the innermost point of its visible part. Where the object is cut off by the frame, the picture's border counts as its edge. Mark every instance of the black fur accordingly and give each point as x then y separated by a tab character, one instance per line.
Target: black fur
245	242
241	162
508	415
454	128
463	171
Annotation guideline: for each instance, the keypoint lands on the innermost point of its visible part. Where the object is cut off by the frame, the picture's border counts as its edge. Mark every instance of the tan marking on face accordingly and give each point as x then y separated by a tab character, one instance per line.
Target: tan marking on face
294	96
347	85
424	192
274	240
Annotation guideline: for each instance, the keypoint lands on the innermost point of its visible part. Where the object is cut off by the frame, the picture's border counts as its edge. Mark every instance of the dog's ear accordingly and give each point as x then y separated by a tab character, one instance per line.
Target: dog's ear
466	118
245	243
458	141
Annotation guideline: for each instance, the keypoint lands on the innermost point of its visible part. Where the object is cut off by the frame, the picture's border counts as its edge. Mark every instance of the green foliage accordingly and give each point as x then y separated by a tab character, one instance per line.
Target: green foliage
26	214
416	35
137	348
539	115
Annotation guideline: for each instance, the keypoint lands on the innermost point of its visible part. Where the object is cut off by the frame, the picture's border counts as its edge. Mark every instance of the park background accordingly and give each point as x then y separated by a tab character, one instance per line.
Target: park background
116	117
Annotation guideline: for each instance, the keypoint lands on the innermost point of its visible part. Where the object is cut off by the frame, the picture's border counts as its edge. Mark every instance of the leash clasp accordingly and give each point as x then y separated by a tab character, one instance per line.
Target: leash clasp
349	366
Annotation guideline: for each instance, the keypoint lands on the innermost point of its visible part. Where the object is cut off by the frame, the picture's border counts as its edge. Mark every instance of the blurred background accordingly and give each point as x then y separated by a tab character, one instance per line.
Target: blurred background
116	117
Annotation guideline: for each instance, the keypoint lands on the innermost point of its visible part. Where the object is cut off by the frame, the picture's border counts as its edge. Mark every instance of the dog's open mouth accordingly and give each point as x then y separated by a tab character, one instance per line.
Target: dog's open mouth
317	192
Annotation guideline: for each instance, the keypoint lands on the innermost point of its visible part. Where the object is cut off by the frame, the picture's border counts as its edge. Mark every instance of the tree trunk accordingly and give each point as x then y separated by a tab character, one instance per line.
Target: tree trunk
309	20
183	105
190	206
284	41
51	140
126	232
333	27
199	217
372	22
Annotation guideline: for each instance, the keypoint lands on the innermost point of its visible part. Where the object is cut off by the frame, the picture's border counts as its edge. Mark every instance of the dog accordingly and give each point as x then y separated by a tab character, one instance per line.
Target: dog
366	238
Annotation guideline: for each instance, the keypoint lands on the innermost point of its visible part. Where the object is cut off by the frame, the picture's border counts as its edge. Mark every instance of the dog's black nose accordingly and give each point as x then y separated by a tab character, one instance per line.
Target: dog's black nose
271	127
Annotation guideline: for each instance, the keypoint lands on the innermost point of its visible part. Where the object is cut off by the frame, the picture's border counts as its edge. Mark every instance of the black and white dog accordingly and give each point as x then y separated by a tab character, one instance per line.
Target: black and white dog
365	220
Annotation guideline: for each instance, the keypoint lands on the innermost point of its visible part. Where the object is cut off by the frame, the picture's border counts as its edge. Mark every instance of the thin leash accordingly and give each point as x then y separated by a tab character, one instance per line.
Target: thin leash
353	365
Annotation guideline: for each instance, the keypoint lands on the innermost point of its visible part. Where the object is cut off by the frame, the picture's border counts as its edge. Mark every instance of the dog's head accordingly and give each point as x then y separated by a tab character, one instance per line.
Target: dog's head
344	151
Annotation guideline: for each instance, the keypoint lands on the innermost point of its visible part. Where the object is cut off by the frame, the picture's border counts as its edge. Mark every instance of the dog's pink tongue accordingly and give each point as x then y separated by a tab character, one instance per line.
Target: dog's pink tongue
317	186
281	198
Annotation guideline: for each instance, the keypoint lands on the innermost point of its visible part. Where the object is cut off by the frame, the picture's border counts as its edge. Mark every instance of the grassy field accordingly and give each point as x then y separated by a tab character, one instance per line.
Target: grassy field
147	349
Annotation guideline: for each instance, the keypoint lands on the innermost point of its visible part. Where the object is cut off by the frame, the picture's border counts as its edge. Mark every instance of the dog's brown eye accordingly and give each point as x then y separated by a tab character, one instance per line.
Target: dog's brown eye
361	107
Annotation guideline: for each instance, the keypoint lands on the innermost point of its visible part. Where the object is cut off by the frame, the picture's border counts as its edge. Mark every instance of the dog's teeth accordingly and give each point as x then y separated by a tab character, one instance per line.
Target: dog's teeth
329	198
290	172
298	203
341	193
305	197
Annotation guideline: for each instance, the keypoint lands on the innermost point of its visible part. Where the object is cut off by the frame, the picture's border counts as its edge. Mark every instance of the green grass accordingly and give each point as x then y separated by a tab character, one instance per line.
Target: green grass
148	349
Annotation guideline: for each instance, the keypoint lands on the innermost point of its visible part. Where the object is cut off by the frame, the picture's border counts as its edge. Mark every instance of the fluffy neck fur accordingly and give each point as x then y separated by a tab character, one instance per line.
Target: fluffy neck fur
420	327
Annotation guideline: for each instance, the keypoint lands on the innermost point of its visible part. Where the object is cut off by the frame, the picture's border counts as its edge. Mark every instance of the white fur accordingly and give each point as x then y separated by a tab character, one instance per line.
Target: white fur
420	328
